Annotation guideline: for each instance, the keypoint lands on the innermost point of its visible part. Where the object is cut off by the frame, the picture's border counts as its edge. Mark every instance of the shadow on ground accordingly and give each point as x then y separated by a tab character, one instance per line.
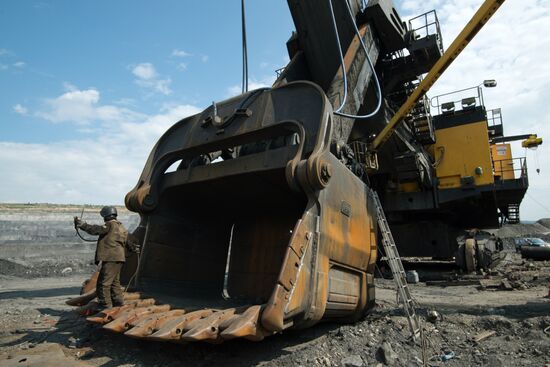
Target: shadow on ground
95	344
41	293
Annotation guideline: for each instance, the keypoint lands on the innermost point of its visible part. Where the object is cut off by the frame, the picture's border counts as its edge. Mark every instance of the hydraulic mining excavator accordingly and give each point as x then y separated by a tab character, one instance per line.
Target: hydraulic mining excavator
258	214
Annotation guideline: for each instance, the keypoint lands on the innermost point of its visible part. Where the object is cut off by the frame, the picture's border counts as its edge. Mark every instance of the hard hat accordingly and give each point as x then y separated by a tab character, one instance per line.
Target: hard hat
108	211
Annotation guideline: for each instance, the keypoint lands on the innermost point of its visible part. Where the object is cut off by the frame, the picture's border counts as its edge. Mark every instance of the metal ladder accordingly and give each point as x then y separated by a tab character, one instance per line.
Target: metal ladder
513	213
396	266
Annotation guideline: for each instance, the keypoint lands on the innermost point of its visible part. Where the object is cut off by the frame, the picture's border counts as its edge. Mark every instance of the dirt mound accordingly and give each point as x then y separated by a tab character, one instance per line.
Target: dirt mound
12	268
544	222
523	230
45	268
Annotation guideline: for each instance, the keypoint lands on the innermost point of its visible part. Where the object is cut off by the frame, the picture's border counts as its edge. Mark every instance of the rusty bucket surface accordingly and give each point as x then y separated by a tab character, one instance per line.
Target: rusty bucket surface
250	225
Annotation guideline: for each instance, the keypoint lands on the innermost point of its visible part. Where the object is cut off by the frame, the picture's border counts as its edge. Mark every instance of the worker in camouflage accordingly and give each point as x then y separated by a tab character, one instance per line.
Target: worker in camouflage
110	251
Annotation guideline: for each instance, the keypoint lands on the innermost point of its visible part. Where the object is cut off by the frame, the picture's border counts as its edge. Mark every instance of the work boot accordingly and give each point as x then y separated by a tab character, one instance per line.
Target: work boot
118	303
104	306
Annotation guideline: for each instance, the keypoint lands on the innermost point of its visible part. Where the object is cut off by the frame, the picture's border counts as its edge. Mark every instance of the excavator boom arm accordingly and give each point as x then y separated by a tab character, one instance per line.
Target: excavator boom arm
480	18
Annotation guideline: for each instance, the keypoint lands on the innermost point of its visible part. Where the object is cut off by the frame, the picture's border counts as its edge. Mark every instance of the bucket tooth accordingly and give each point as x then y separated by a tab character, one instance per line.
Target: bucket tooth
190	325
83	299
168	330
208	328
123	314
173	328
141	302
121	323
162	321
140	316
149	325
106	316
227	322
131	296
245	326
89	309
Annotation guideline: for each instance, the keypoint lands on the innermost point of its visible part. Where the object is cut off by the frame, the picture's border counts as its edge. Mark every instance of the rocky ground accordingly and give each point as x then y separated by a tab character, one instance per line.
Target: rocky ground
496	319
39	240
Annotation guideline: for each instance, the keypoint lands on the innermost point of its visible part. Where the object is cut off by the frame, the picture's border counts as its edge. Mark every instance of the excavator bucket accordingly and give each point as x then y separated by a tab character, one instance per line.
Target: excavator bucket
249	225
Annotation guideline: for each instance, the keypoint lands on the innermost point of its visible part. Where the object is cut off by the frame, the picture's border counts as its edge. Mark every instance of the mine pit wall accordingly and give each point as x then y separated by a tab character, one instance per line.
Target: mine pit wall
32	234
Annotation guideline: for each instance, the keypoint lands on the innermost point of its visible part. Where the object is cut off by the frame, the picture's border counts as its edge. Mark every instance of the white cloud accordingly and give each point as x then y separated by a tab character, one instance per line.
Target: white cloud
5	52
180	53
69	87
145	71
182	66
19	64
100	169
126	102
75	106
3	67
20	109
149	78
205	58
81	107
157	85
252	84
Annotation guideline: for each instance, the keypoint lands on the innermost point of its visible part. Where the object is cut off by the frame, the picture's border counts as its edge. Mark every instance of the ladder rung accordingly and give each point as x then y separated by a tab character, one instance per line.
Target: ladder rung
394	261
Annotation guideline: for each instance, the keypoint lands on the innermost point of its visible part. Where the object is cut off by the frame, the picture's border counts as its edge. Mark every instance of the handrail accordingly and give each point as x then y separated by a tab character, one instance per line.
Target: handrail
425	27
438	103
503	166
494	117
480	18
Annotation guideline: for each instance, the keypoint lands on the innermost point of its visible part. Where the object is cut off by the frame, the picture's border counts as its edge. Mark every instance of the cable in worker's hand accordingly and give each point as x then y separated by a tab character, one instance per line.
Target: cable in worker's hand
77	223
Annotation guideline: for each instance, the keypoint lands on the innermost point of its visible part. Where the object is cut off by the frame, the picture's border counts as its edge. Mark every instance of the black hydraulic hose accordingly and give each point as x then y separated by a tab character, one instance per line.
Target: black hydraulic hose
82	238
245	49
78	232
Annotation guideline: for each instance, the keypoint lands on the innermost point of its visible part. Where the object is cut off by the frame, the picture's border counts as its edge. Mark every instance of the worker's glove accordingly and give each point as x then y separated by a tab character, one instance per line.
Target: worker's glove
77	222
134	248
133	244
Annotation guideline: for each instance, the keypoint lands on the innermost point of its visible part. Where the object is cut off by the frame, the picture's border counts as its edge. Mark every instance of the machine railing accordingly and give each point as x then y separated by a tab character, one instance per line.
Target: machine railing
510	169
494	117
425	25
458	100
494	123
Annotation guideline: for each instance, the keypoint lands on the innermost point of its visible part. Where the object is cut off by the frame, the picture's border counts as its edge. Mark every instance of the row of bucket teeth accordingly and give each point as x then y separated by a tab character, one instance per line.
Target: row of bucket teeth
143	319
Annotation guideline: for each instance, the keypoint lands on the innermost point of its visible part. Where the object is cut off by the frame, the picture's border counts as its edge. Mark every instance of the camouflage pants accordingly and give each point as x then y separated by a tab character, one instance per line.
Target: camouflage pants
109	292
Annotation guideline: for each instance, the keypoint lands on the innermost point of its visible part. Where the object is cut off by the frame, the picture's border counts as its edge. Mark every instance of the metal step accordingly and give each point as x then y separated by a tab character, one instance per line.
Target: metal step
513	214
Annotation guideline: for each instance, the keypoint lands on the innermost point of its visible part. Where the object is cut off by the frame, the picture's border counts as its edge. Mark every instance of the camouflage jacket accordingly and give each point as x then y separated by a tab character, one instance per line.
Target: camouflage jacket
112	241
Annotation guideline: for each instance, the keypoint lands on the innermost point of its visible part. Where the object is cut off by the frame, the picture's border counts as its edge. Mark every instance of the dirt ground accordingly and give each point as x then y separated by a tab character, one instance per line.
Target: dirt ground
507	306
33	312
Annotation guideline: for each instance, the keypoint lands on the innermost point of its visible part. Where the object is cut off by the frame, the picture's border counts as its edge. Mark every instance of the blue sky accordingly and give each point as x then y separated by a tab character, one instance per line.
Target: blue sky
87	87
97	44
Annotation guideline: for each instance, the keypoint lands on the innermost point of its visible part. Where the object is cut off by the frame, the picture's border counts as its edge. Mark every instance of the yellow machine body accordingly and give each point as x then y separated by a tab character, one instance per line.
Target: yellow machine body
502	161
465	149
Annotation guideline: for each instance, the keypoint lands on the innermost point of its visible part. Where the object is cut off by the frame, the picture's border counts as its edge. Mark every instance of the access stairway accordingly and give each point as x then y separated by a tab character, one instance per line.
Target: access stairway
513	214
